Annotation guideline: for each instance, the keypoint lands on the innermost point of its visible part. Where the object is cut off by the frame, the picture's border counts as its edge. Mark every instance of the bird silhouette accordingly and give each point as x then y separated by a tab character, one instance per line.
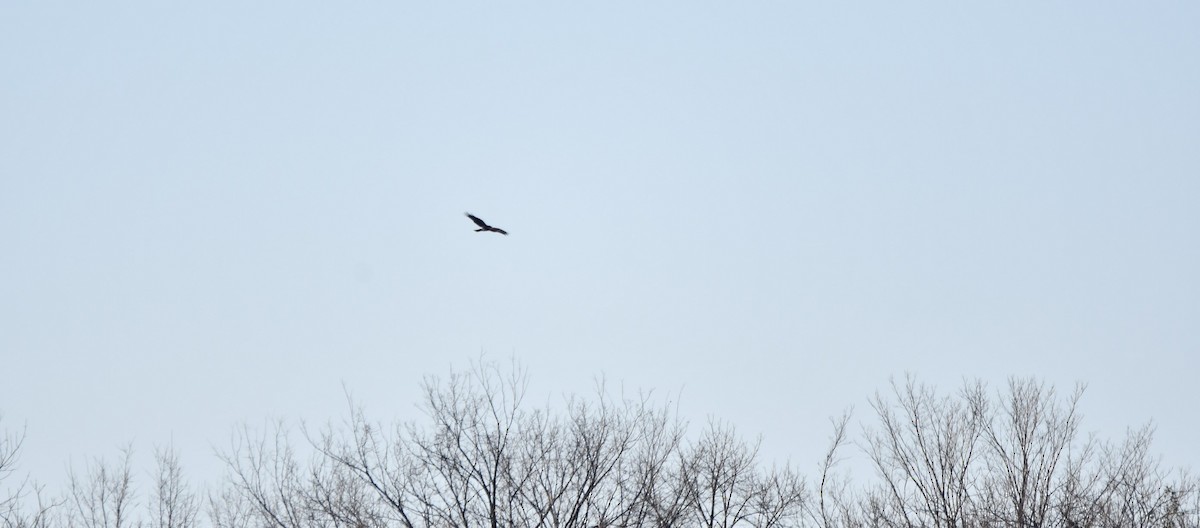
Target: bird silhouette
483	225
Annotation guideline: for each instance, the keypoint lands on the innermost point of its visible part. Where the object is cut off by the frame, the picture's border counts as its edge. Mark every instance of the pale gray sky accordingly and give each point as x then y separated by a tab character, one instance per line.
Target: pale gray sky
222	211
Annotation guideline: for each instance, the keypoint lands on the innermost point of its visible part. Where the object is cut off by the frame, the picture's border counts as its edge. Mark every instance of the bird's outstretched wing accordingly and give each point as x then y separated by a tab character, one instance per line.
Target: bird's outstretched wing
477	221
498	230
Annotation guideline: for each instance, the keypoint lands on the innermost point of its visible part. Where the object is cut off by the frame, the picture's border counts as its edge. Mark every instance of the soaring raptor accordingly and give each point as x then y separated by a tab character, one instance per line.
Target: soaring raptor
483	225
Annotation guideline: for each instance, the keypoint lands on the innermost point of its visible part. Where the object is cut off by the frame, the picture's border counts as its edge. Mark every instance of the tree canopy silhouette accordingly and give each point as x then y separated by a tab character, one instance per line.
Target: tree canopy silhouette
482	456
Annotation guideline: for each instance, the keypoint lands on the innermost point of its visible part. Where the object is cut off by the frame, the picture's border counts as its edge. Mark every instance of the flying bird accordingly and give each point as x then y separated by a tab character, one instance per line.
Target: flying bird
483	225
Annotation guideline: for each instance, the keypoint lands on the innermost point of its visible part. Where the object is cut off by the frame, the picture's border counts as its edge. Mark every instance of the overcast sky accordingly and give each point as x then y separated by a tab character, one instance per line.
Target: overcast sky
222	212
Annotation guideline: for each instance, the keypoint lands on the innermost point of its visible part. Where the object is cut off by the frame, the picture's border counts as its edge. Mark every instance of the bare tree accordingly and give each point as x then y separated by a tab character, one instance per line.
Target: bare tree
726	488
10	448
263	468
230	508
381	465
779	498
1134	490
472	446
481	457
651	486
1013	460
103	497
720	478
172	505
340	497
487	460
13	498
593	466
1025	444
923	452
833	508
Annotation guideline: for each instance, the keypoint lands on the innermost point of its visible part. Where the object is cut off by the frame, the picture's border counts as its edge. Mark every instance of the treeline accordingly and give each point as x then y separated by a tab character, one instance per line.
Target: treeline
978	457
